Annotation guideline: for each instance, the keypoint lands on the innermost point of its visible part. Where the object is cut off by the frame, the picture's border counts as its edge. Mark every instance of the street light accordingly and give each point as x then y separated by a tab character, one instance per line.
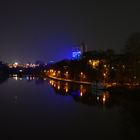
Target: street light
67	74
82	76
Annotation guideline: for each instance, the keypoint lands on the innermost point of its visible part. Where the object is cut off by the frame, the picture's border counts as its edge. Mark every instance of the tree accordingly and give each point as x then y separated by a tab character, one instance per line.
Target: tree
133	45
132	51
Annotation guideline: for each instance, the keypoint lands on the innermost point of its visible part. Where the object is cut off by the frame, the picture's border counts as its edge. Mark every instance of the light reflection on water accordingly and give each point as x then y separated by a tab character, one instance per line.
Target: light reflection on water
80	91
41	105
76	90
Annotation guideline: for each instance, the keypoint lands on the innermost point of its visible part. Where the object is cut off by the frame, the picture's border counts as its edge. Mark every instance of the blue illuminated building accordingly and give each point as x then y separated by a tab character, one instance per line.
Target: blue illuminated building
78	51
76	55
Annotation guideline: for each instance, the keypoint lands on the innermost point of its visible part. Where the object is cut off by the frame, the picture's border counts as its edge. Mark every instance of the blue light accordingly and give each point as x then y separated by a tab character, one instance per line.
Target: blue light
76	55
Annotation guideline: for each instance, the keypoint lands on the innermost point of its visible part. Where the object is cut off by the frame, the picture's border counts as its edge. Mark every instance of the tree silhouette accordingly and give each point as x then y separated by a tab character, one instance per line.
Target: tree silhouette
132	49
133	46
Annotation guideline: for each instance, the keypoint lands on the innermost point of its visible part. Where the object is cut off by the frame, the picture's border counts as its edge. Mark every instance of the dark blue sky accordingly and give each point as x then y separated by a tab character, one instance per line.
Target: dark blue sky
47	30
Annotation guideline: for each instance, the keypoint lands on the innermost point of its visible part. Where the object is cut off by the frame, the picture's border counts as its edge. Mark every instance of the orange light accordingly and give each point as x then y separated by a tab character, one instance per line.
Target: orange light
58	87
66	87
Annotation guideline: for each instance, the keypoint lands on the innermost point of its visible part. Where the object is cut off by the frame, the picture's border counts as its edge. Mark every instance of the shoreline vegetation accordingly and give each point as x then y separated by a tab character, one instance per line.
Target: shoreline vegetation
101	86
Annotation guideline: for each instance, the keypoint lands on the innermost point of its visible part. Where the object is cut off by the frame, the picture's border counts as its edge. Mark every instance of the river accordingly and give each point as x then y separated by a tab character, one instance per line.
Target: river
42	108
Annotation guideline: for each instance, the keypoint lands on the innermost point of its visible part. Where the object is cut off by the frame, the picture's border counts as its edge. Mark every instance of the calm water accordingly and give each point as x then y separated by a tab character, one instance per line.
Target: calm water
45	108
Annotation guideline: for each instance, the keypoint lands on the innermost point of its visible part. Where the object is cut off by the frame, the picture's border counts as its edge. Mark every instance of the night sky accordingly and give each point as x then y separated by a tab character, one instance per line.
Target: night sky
48	30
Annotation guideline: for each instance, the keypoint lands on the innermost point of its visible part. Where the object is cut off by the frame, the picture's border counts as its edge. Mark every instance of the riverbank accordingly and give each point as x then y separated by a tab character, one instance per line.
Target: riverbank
69	80
114	89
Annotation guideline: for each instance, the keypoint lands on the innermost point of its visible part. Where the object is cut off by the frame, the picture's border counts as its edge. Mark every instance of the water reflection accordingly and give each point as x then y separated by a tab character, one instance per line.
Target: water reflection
89	95
84	93
3	79
122	107
79	92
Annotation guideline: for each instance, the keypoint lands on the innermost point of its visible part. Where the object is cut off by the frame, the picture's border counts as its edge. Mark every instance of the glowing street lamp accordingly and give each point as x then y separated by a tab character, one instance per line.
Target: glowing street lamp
82	76
67	74
58	73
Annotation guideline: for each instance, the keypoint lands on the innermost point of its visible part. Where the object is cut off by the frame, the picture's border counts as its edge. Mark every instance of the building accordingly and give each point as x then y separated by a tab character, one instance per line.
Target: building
78	51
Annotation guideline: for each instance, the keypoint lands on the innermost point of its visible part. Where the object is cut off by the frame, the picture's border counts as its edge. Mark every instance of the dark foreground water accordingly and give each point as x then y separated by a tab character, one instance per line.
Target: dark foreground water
40	108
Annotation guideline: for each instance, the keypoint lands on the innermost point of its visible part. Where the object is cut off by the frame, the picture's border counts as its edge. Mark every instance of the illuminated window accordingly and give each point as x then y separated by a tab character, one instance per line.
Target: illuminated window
94	63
